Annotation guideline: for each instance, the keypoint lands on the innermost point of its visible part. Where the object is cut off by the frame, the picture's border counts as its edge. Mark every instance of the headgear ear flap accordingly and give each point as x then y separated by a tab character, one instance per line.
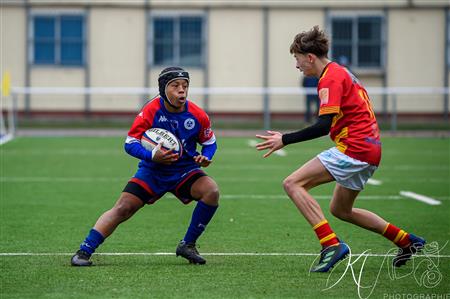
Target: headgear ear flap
166	76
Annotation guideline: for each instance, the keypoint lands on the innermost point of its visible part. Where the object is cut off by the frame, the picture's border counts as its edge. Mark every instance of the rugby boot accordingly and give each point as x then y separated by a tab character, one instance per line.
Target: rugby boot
81	258
330	256
405	254
190	252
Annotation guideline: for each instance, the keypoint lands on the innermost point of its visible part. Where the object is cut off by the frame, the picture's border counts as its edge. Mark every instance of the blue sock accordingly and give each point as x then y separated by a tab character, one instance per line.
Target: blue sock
92	241
200	218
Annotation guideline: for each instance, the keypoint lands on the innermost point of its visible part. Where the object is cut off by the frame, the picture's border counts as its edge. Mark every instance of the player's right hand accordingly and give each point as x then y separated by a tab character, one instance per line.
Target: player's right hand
162	156
273	142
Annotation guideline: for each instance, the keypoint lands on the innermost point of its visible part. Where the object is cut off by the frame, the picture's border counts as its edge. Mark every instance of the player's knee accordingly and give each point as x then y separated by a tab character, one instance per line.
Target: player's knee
211	196
124	211
287	185
290	185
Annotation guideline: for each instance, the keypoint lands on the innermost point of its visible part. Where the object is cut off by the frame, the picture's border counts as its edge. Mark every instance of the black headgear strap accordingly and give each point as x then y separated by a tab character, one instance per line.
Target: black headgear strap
168	75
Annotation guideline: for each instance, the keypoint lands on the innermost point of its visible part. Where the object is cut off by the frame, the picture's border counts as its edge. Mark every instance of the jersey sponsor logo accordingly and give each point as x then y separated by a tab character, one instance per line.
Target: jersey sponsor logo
189	124
324	95
162	119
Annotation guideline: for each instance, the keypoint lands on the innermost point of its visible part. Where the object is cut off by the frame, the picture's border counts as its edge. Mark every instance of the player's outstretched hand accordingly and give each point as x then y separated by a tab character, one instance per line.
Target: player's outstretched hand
163	156
273	142
202	161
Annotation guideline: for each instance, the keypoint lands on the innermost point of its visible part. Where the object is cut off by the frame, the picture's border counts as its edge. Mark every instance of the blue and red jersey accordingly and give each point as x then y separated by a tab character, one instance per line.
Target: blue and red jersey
191	127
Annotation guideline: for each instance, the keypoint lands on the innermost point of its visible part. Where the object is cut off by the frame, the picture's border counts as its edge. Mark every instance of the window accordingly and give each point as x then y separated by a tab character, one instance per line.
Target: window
177	40
357	41
58	40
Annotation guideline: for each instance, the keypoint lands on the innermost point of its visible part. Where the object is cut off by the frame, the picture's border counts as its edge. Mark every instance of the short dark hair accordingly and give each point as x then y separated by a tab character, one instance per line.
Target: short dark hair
314	41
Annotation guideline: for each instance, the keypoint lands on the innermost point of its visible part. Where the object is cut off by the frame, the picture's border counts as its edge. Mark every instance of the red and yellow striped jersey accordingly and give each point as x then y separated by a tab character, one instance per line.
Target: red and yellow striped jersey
354	128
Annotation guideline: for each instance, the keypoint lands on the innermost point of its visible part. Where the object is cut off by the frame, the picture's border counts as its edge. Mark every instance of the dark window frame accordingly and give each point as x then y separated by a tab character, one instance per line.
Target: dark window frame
354	44
58	41
177	40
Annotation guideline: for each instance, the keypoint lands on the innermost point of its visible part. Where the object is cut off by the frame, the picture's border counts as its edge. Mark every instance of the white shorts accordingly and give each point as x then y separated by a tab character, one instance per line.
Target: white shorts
348	172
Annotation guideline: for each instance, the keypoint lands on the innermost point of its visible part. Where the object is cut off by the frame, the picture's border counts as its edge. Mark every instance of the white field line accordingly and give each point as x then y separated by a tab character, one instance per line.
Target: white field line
206	254
20	179
419	197
280	152
374	182
281	196
223	196
12	179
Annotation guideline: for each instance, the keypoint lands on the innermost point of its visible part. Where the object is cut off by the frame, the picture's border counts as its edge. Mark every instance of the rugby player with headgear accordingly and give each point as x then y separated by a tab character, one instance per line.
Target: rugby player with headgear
161	171
347	115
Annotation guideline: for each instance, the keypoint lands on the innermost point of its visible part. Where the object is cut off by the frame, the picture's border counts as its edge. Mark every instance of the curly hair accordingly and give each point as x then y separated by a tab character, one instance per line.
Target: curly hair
314	41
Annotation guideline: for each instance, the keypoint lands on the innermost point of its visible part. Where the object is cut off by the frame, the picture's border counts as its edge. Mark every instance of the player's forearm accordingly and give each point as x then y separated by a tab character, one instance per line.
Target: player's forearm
209	150
136	150
320	128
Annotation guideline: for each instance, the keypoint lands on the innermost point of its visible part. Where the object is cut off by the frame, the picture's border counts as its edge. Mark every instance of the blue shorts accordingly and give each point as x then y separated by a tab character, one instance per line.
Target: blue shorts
150	185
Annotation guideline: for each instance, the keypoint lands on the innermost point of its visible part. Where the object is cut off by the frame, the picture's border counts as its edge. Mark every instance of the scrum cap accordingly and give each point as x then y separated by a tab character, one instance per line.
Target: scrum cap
167	75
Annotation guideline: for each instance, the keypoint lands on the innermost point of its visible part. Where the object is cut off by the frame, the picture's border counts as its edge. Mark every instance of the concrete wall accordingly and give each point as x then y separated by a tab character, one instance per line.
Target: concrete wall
117	55
12	47
235	56
284	24
117	52
416	55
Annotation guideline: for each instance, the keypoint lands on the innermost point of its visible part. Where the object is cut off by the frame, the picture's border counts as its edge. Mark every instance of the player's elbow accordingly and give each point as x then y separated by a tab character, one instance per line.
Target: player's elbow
127	147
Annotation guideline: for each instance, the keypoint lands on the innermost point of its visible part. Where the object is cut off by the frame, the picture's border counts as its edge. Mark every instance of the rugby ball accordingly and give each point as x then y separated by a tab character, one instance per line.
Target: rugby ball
154	136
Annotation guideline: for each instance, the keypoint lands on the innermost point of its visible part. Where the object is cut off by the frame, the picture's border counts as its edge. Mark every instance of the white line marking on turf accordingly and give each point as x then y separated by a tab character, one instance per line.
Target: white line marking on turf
374	182
224	196
210	254
280	196
280	152
419	197
11	179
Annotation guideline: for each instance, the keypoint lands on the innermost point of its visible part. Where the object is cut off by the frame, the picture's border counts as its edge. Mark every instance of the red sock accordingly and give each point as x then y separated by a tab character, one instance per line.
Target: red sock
396	235
325	234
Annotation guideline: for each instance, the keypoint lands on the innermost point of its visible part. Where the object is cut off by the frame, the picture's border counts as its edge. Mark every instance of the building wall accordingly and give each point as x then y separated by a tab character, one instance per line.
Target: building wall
117	52
284	24
117	55
235	56
416	54
55	76
12	48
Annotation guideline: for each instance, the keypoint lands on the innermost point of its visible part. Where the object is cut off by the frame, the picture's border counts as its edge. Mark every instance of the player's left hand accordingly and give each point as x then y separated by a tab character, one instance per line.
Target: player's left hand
273	142
202	161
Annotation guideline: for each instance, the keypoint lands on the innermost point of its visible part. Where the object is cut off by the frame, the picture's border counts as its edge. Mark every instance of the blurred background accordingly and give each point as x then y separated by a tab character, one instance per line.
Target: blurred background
93	64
